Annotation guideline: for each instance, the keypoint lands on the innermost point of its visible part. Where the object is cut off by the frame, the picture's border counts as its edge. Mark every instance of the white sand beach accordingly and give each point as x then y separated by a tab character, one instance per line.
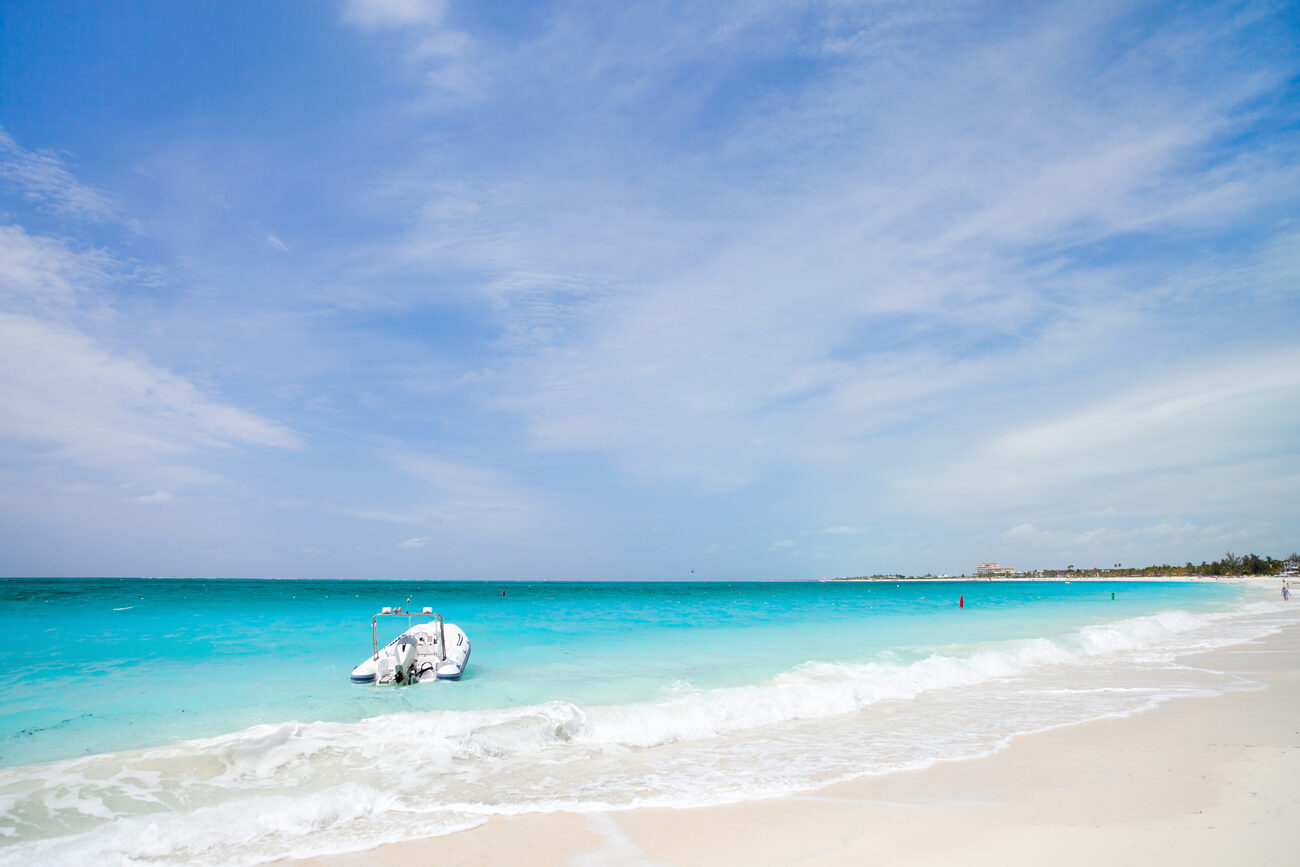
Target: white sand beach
1201	780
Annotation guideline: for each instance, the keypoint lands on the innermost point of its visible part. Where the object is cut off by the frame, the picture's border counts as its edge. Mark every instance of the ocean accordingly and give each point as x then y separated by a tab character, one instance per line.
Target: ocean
169	721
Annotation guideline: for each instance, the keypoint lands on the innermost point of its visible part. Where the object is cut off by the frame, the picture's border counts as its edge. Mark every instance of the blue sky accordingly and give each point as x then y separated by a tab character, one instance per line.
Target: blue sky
393	288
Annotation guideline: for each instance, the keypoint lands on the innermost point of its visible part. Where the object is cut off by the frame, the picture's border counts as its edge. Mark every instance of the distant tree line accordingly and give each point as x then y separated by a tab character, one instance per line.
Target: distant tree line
1229	564
878	577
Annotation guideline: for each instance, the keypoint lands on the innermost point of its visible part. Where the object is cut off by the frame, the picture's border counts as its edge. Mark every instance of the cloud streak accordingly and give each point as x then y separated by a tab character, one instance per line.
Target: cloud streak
1236	409
42	177
393	13
58	387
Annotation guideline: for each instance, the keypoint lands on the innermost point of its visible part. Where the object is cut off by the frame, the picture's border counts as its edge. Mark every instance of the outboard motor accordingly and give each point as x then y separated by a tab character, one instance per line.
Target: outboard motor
404	654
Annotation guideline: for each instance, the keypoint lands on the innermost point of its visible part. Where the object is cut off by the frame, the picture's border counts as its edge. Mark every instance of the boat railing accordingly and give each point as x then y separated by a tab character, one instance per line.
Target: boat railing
410	616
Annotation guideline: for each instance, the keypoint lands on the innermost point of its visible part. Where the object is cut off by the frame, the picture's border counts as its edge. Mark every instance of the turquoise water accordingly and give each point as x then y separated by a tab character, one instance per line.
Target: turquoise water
98	665
201	713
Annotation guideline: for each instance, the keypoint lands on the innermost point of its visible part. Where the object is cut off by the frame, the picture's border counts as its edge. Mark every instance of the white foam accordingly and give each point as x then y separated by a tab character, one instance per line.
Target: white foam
249	830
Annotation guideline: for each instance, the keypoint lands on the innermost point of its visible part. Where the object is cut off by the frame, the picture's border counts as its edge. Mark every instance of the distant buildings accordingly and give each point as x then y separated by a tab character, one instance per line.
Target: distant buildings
989	570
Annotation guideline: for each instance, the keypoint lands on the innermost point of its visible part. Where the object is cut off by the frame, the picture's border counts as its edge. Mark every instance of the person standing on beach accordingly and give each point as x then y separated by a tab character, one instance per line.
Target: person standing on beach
1286	594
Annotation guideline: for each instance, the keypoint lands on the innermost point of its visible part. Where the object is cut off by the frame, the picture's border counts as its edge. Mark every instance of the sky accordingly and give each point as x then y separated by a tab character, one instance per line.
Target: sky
649	290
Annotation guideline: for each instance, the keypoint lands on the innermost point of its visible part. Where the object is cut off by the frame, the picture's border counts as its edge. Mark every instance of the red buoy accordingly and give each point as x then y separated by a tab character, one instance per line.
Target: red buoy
961	603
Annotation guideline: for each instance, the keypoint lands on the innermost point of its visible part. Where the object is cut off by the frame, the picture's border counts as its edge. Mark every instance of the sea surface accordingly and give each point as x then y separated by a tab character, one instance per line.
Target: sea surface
167	721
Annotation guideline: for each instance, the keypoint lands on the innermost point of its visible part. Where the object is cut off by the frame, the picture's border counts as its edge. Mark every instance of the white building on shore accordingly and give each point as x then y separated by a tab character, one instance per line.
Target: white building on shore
993	570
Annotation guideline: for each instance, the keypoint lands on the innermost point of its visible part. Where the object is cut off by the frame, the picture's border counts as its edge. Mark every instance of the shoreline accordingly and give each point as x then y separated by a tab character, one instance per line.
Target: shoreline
1171	579
1194	780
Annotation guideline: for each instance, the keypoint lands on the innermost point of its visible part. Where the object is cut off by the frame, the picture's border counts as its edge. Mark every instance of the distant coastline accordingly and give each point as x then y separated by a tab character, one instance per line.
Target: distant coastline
1251	567
1082	576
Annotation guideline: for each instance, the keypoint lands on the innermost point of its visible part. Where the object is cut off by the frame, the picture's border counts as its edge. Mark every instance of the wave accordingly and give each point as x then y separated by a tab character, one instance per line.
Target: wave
299	789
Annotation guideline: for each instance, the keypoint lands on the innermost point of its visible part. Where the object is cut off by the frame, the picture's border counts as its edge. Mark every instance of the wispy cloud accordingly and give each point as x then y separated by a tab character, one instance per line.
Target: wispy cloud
393	13
58	387
46	275
1234	409
42	177
444	56
798	311
61	387
416	542
447	495
1166	541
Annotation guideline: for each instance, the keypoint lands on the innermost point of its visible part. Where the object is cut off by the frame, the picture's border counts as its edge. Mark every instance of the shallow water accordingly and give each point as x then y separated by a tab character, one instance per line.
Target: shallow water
213	721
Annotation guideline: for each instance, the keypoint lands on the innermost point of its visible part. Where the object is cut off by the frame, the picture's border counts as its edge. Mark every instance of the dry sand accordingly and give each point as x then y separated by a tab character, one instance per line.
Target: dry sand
1196	781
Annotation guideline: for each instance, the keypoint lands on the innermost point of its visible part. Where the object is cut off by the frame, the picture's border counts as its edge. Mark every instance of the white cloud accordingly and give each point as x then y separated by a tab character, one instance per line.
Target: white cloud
40	274
57	386
372	14
277	243
155	497
416	542
445	59
43	178
1218	412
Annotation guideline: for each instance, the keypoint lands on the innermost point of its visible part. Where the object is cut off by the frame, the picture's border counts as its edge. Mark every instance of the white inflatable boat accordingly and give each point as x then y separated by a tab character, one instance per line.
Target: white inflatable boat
425	651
